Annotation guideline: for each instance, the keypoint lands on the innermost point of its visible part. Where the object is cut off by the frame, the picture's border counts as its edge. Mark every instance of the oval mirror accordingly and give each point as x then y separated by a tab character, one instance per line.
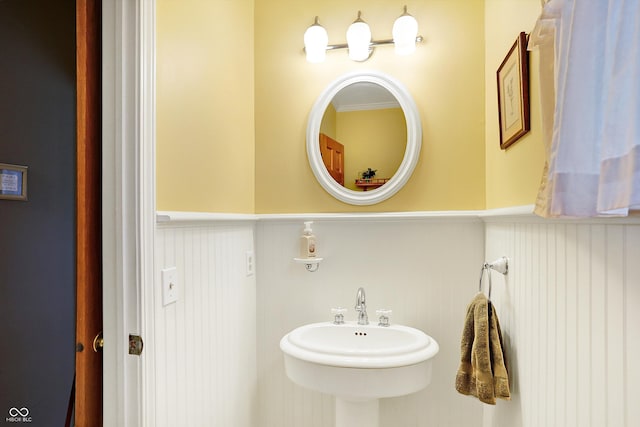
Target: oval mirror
363	137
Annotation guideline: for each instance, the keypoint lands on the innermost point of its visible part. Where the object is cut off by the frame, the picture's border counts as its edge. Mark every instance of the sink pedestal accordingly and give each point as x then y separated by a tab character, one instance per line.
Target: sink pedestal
351	413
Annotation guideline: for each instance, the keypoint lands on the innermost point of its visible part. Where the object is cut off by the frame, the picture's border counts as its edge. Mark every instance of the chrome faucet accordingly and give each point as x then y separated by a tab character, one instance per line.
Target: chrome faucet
361	307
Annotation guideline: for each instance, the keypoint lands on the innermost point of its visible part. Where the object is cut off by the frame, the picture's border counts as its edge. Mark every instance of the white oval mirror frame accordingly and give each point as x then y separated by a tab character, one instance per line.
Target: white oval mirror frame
412	150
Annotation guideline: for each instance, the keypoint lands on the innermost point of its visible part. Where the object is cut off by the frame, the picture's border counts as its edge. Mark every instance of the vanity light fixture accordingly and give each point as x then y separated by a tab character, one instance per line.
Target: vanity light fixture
359	43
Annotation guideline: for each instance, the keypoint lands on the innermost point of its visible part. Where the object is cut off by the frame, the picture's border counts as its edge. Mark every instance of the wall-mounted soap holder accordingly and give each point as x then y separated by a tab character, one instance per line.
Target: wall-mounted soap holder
312	264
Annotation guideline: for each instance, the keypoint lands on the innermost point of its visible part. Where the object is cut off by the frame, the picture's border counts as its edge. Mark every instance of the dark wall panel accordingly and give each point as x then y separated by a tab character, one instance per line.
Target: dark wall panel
37	237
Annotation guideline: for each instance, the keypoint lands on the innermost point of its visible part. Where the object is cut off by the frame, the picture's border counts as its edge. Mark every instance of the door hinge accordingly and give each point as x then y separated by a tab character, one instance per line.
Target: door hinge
135	345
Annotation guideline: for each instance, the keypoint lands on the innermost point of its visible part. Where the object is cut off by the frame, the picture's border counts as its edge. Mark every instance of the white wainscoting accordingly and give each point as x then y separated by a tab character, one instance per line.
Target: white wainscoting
424	269
201	354
570	314
569	310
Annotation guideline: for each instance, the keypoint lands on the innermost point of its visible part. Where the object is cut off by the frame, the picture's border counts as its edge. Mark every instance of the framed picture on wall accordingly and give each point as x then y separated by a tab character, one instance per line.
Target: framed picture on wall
513	93
13	182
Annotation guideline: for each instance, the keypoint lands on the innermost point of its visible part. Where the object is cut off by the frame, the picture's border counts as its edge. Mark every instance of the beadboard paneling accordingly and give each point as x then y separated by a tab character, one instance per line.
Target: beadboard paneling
569	314
568	310
425	270
201	354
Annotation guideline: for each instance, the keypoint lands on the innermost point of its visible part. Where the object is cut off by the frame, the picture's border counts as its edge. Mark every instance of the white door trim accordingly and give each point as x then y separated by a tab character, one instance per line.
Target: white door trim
147	195
128	199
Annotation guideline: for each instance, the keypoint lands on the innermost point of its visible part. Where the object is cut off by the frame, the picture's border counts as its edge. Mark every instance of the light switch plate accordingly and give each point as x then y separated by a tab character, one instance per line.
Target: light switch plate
169	285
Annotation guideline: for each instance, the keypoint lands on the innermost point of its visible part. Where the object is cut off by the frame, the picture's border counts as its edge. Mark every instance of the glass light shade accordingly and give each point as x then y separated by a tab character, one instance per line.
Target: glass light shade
358	40
315	43
405	31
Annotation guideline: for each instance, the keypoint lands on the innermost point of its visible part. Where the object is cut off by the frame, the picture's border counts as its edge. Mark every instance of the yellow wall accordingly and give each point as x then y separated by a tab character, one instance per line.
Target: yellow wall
232	108
445	77
205	106
373	139
513	175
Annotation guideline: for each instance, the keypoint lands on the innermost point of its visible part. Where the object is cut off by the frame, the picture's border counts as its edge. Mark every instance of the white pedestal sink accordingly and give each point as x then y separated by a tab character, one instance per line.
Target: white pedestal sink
359	364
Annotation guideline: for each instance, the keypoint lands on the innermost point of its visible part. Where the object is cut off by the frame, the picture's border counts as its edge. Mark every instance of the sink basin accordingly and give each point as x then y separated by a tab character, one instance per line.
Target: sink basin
359	362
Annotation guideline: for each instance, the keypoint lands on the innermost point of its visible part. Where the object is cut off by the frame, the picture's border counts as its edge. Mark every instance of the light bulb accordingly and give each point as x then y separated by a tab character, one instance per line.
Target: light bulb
405	31
359	39
315	42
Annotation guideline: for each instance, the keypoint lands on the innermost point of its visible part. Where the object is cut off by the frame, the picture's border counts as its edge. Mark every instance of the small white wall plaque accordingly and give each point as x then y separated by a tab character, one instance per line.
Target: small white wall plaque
13	182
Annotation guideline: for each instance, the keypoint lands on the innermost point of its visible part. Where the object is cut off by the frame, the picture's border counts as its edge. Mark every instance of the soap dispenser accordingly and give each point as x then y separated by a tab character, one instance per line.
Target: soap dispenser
307	242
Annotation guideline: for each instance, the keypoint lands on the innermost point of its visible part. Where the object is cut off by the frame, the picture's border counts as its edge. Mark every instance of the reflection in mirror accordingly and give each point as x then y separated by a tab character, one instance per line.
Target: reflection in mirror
340	152
363	136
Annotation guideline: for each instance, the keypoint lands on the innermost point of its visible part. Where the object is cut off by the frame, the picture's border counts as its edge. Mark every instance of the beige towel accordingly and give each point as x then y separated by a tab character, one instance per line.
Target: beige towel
482	372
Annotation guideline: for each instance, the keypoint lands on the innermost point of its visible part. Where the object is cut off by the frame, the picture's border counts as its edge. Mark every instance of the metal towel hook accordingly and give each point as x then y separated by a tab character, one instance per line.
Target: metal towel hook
500	265
485	267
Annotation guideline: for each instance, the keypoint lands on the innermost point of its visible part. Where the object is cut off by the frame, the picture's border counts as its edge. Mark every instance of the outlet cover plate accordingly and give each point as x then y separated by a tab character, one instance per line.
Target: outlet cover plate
251	263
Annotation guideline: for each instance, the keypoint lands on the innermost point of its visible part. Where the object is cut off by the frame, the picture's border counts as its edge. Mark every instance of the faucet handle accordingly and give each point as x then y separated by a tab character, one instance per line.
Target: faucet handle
338	315
383	316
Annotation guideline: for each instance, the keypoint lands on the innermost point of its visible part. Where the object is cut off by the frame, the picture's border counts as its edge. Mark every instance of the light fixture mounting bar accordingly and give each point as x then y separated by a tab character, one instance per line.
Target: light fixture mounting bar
373	43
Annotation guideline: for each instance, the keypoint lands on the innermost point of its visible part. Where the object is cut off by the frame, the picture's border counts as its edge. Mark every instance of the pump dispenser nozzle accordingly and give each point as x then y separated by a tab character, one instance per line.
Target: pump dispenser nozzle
307	228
